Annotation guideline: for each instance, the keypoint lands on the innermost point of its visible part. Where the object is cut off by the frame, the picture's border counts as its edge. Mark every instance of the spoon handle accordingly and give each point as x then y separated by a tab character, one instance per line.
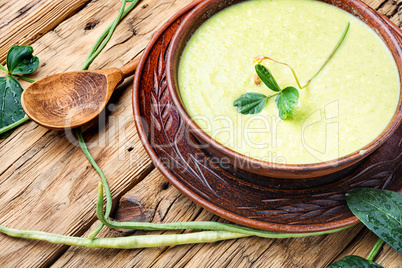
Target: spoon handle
129	68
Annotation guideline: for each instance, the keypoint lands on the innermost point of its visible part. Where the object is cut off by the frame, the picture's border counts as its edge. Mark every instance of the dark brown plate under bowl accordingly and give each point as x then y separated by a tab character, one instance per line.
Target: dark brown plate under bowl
239	163
244	201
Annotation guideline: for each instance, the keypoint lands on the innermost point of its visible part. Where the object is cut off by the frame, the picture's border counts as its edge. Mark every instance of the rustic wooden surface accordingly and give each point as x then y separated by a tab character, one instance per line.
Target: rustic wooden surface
47	185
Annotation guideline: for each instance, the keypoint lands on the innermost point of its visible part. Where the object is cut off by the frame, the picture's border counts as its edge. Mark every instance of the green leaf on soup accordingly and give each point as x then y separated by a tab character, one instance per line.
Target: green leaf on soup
10	103
286	101
250	103
381	212
353	261
266	77
21	61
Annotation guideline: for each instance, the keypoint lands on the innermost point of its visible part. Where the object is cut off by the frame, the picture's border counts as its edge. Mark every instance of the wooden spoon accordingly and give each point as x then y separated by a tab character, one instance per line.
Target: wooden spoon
69	100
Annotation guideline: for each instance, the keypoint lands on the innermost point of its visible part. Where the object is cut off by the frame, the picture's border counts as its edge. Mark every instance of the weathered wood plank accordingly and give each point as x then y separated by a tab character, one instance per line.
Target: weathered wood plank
389	257
362	245
58	193
47	184
389	8
160	202
375	4
23	22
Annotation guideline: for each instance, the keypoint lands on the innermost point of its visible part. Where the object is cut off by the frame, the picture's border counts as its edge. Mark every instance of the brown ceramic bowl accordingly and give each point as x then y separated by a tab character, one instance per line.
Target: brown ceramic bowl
240	163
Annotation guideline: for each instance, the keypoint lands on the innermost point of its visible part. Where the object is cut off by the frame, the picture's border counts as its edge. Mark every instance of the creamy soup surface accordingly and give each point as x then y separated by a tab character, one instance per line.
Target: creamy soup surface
344	108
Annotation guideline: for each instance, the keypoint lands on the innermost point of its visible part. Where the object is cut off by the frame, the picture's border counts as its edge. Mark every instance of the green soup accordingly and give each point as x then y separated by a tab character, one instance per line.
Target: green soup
344	108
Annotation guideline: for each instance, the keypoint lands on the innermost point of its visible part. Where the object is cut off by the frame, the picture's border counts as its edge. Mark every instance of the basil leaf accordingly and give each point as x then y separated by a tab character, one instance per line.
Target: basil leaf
265	75
21	61
250	103
10	103
380	211
353	261
286	101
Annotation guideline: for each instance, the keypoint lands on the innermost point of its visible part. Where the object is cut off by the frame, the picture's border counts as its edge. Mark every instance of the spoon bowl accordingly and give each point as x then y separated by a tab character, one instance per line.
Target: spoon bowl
69	100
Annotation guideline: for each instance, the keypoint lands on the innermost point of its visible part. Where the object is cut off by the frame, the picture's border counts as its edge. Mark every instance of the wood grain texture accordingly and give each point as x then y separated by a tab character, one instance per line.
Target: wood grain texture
47	184
160	202
70	100
23	22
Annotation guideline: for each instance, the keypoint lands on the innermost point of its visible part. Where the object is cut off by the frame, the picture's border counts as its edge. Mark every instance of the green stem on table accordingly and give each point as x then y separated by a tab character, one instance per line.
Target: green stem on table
146	241
128	242
15	124
106	31
24	78
84	148
375	249
198	225
100	43
259	59
3	68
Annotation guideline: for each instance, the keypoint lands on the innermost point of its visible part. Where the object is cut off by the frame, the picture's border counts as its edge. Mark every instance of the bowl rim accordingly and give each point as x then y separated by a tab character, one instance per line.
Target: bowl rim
388	36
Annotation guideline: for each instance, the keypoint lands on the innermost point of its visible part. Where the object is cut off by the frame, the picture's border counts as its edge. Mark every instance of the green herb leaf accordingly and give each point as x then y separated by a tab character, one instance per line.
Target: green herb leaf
21	61
250	103
10	103
353	261
380	211
286	101
265	75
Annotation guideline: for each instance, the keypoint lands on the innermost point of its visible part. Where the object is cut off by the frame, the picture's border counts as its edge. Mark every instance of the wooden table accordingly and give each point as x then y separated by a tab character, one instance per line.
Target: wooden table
47	184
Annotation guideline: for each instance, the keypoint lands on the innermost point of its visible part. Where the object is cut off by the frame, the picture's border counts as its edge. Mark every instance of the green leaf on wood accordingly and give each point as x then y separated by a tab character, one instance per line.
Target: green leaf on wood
266	77
21	61
381	212
353	261
10	103
286	101
250	103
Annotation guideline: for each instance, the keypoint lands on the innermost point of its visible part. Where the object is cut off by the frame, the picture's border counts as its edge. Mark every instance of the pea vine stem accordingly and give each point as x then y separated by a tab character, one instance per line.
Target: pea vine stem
90	158
259	59
375	249
107	34
15	124
24	78
4	69
107	30
128	242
